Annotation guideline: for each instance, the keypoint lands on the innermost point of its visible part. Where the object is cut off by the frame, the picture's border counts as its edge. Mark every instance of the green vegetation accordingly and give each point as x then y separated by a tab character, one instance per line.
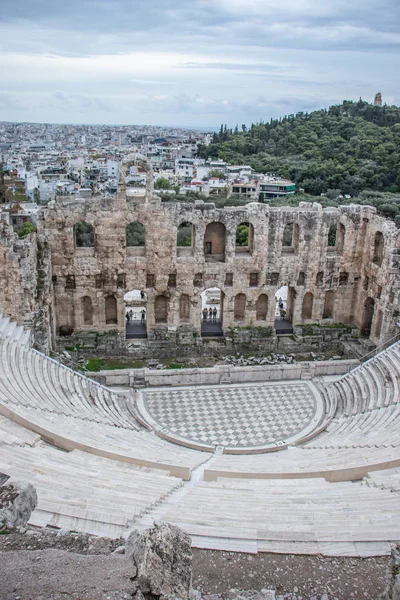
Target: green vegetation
84	235
26	229
184	236
135	234
242	234
216	173
105	364
348	147
162	184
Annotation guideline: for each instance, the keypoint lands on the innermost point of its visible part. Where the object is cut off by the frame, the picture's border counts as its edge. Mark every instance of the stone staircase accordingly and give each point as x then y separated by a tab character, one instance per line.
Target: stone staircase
13	331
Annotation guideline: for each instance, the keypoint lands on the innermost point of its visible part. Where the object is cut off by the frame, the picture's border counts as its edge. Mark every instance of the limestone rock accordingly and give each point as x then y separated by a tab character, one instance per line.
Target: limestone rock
396	588
163	558
17	501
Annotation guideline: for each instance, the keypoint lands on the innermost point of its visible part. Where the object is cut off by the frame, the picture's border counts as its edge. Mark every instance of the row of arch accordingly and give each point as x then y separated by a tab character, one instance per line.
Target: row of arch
161	308
215	236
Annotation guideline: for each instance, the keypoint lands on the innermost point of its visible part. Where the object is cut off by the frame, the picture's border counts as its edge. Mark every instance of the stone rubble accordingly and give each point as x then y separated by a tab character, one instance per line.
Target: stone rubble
162	556
18	499
271	359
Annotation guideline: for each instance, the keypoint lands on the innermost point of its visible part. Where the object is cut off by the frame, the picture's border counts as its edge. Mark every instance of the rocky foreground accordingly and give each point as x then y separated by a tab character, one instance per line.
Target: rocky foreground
159	564
51	565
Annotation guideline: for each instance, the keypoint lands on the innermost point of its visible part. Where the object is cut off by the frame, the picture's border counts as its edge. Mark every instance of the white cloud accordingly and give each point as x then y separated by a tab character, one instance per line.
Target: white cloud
210	60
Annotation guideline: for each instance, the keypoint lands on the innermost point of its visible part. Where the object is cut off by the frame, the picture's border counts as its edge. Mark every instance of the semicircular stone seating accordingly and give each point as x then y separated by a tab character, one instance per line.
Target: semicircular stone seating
98	470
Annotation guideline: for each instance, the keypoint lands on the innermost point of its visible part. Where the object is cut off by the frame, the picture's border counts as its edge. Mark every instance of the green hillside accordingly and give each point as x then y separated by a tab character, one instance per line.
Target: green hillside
347	148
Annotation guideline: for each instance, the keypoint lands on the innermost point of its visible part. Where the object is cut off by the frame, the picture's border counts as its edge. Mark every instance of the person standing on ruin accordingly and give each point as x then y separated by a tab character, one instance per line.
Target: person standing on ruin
210	313
205	313
214	314
131	315
143	317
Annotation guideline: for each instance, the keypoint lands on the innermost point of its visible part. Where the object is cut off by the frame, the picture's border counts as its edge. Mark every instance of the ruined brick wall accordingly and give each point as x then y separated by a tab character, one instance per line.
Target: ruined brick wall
18	275
25	294
89	277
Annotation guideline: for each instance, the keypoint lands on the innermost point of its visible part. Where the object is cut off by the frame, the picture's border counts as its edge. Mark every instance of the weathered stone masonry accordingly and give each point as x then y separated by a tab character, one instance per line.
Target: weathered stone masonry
50	283
356	281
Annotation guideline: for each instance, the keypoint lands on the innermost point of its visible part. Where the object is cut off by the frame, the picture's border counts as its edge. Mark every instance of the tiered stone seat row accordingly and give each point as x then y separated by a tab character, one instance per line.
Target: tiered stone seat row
388	479
80	491
334	464
71	411
369	406
372	385
31	379
291	511
10	329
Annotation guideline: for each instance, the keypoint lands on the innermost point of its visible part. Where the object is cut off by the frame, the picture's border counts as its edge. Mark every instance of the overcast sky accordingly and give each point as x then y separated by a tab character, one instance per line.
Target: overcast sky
193	62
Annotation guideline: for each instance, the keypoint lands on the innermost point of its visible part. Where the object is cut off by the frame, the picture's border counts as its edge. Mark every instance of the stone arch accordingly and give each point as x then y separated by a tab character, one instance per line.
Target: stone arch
87	310
262	307
185	239
184	308
368	315
301	280
139	160
111	310
378	324
320	278
287	239
378	248
161	309
84	235
135	234
214	242
340	238
185	235
329	305
290	239
332	236
244	238
239	309
307	307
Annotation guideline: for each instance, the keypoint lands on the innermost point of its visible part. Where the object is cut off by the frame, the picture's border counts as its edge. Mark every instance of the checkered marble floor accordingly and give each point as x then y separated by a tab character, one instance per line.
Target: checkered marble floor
236	417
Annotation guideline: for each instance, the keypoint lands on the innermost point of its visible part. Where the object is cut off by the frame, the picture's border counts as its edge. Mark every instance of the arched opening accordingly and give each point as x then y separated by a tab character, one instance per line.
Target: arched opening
332	234
368	316
111	311
328	305
184	308
284	306
212	310
84	235
320	278
340	235
287	240
161	309
135	314
135	238
262	307
378	324
290	239
301	280
239	308
306	311
378	248
214	242
244	238
185	239
87	310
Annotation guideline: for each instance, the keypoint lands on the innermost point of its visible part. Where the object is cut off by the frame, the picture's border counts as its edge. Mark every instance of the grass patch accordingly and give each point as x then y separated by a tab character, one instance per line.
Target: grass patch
107	364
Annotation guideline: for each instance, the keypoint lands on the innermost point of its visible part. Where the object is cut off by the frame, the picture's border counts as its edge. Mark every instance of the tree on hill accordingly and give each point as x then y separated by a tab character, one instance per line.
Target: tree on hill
348	147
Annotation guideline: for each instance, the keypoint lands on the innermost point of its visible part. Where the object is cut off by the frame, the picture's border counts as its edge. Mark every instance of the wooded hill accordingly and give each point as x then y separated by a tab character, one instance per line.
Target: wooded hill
346	148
